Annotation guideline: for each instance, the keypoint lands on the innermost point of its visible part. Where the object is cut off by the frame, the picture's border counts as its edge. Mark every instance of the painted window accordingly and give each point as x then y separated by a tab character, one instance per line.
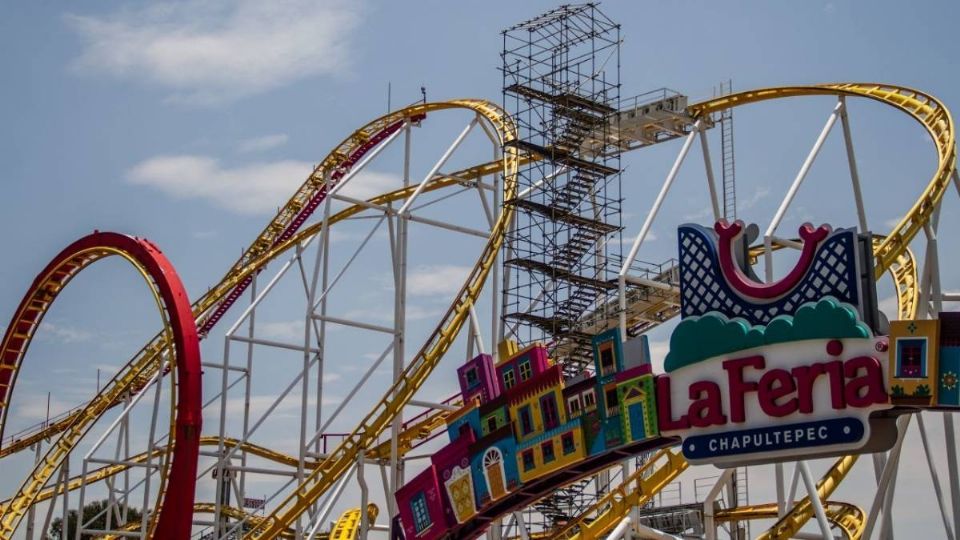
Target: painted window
607	364
491	424
612	406
528	462
547	450
525	371
509	379
548	407
526	422
912	358
471	377
589	400
573	406
568	445
421	516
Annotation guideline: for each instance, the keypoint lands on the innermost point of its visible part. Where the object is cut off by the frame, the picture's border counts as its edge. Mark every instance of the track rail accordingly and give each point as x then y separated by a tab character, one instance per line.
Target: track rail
413	432
419	368
922	107
263	250
173	520
280	235
848	517
892	252
636	490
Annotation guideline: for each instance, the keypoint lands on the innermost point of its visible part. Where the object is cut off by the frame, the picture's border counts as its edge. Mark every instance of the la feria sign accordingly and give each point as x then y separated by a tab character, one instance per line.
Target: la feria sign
764	372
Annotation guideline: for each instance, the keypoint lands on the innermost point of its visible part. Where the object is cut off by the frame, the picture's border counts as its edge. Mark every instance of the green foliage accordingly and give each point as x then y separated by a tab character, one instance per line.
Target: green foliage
94	517
897	391
922	391
698	338
826	319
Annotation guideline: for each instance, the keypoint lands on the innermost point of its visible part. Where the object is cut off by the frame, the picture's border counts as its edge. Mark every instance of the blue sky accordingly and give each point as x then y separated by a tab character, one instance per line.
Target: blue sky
190	122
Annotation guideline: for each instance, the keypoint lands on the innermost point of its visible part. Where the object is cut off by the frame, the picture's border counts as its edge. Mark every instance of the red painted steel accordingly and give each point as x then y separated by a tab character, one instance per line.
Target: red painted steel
176	512
729	232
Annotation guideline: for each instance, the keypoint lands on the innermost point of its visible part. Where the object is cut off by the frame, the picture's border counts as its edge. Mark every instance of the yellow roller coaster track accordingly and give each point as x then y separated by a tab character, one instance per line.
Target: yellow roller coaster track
892	252
419	368
210	508
415	431
925	109
848	517
636	490
644	484
347	526
263	250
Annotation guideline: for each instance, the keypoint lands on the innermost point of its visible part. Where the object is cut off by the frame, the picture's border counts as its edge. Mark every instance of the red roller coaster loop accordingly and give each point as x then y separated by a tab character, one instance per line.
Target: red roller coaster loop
175	516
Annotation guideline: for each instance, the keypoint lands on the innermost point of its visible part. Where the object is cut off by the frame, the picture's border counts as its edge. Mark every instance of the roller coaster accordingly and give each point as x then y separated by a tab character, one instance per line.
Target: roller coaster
168	477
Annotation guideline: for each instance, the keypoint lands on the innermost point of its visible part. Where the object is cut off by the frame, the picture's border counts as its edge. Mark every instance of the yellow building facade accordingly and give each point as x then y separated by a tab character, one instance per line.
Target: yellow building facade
914	349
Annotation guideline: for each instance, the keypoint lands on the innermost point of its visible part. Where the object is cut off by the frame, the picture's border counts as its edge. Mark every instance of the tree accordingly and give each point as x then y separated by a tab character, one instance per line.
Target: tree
98	509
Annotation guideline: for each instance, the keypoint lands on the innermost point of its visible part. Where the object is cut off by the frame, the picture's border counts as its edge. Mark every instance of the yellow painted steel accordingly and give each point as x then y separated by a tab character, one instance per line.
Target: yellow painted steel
636	490
924	108
892	252
417	431
348	526
147	361
904	272
848	517
415	374
210	508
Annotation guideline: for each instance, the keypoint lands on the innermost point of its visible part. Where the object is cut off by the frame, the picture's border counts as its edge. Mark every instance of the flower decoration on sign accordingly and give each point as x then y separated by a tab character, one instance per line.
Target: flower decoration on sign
949	380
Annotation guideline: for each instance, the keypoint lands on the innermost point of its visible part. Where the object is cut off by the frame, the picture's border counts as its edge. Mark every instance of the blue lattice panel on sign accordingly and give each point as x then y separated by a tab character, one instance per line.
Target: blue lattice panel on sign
703	287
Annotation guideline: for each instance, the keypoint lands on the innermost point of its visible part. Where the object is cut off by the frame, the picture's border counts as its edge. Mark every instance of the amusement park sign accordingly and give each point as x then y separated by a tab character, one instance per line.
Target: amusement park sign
778	401
764	372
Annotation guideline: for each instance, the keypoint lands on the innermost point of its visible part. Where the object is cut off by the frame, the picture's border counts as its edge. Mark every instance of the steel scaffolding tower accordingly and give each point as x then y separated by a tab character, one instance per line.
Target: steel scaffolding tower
561	83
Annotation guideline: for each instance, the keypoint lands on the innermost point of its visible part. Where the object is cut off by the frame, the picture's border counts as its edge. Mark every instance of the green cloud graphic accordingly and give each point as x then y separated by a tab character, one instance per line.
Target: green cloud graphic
697	338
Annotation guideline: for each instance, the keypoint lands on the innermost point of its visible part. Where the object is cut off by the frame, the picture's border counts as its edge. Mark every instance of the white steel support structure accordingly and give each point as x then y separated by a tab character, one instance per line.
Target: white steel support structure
318	267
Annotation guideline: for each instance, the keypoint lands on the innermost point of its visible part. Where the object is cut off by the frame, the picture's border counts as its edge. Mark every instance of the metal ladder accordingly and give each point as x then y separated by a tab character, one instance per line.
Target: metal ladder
729	166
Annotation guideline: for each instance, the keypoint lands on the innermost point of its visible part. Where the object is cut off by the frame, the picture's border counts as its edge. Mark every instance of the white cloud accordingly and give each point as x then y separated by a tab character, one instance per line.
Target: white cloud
259	144
436	280
751	201
204	235
34	408
379	315
368	184
63	334
892	222
628	239
281	329
890	307
255	188
215	51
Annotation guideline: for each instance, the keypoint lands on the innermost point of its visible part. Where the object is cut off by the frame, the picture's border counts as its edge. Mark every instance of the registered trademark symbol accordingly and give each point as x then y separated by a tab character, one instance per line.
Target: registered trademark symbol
846	430
692	447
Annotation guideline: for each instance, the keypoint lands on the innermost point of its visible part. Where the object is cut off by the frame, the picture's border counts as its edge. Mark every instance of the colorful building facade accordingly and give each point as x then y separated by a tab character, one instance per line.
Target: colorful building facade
523	421
924	362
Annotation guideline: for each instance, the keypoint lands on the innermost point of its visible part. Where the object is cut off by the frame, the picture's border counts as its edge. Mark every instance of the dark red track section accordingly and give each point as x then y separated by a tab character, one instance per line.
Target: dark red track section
306	212
176	512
